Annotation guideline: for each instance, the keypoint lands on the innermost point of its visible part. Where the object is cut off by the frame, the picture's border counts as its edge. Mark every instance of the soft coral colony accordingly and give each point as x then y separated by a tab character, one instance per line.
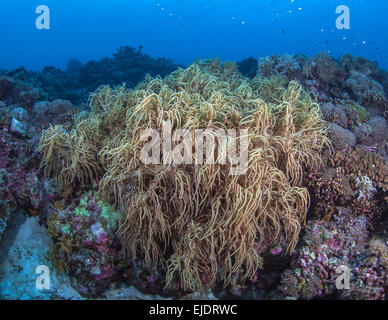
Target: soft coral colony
201	224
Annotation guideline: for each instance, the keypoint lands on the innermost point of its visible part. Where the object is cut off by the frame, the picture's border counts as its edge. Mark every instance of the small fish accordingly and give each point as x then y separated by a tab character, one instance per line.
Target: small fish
327	42
282	31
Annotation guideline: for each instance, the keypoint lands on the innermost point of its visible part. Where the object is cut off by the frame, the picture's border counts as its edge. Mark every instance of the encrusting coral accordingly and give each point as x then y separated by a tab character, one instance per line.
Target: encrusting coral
202	223
358	163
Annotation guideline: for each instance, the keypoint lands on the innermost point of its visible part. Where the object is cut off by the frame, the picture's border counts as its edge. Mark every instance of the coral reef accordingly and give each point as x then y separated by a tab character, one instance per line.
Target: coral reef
59	111
22	185
203	224
327	246
369	273
359	163
85	243
13	91
328	79
340	137
336	114
358	64
360	84
372	100
193	230
328	192
325	72
128	65
284	65
360	112
248	67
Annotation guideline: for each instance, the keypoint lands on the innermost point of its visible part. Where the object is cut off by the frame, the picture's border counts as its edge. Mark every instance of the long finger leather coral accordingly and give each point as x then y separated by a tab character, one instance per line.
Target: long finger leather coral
203	224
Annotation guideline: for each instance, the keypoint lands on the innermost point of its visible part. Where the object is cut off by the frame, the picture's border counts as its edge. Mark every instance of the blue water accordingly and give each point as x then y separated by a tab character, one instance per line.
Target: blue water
185	30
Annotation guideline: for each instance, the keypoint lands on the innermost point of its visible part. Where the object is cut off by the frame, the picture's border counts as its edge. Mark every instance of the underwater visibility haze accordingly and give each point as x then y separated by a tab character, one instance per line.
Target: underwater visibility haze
215	149
187	30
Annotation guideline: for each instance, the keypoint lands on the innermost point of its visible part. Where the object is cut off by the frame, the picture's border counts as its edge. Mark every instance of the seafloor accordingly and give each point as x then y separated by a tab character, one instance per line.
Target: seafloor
65	200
